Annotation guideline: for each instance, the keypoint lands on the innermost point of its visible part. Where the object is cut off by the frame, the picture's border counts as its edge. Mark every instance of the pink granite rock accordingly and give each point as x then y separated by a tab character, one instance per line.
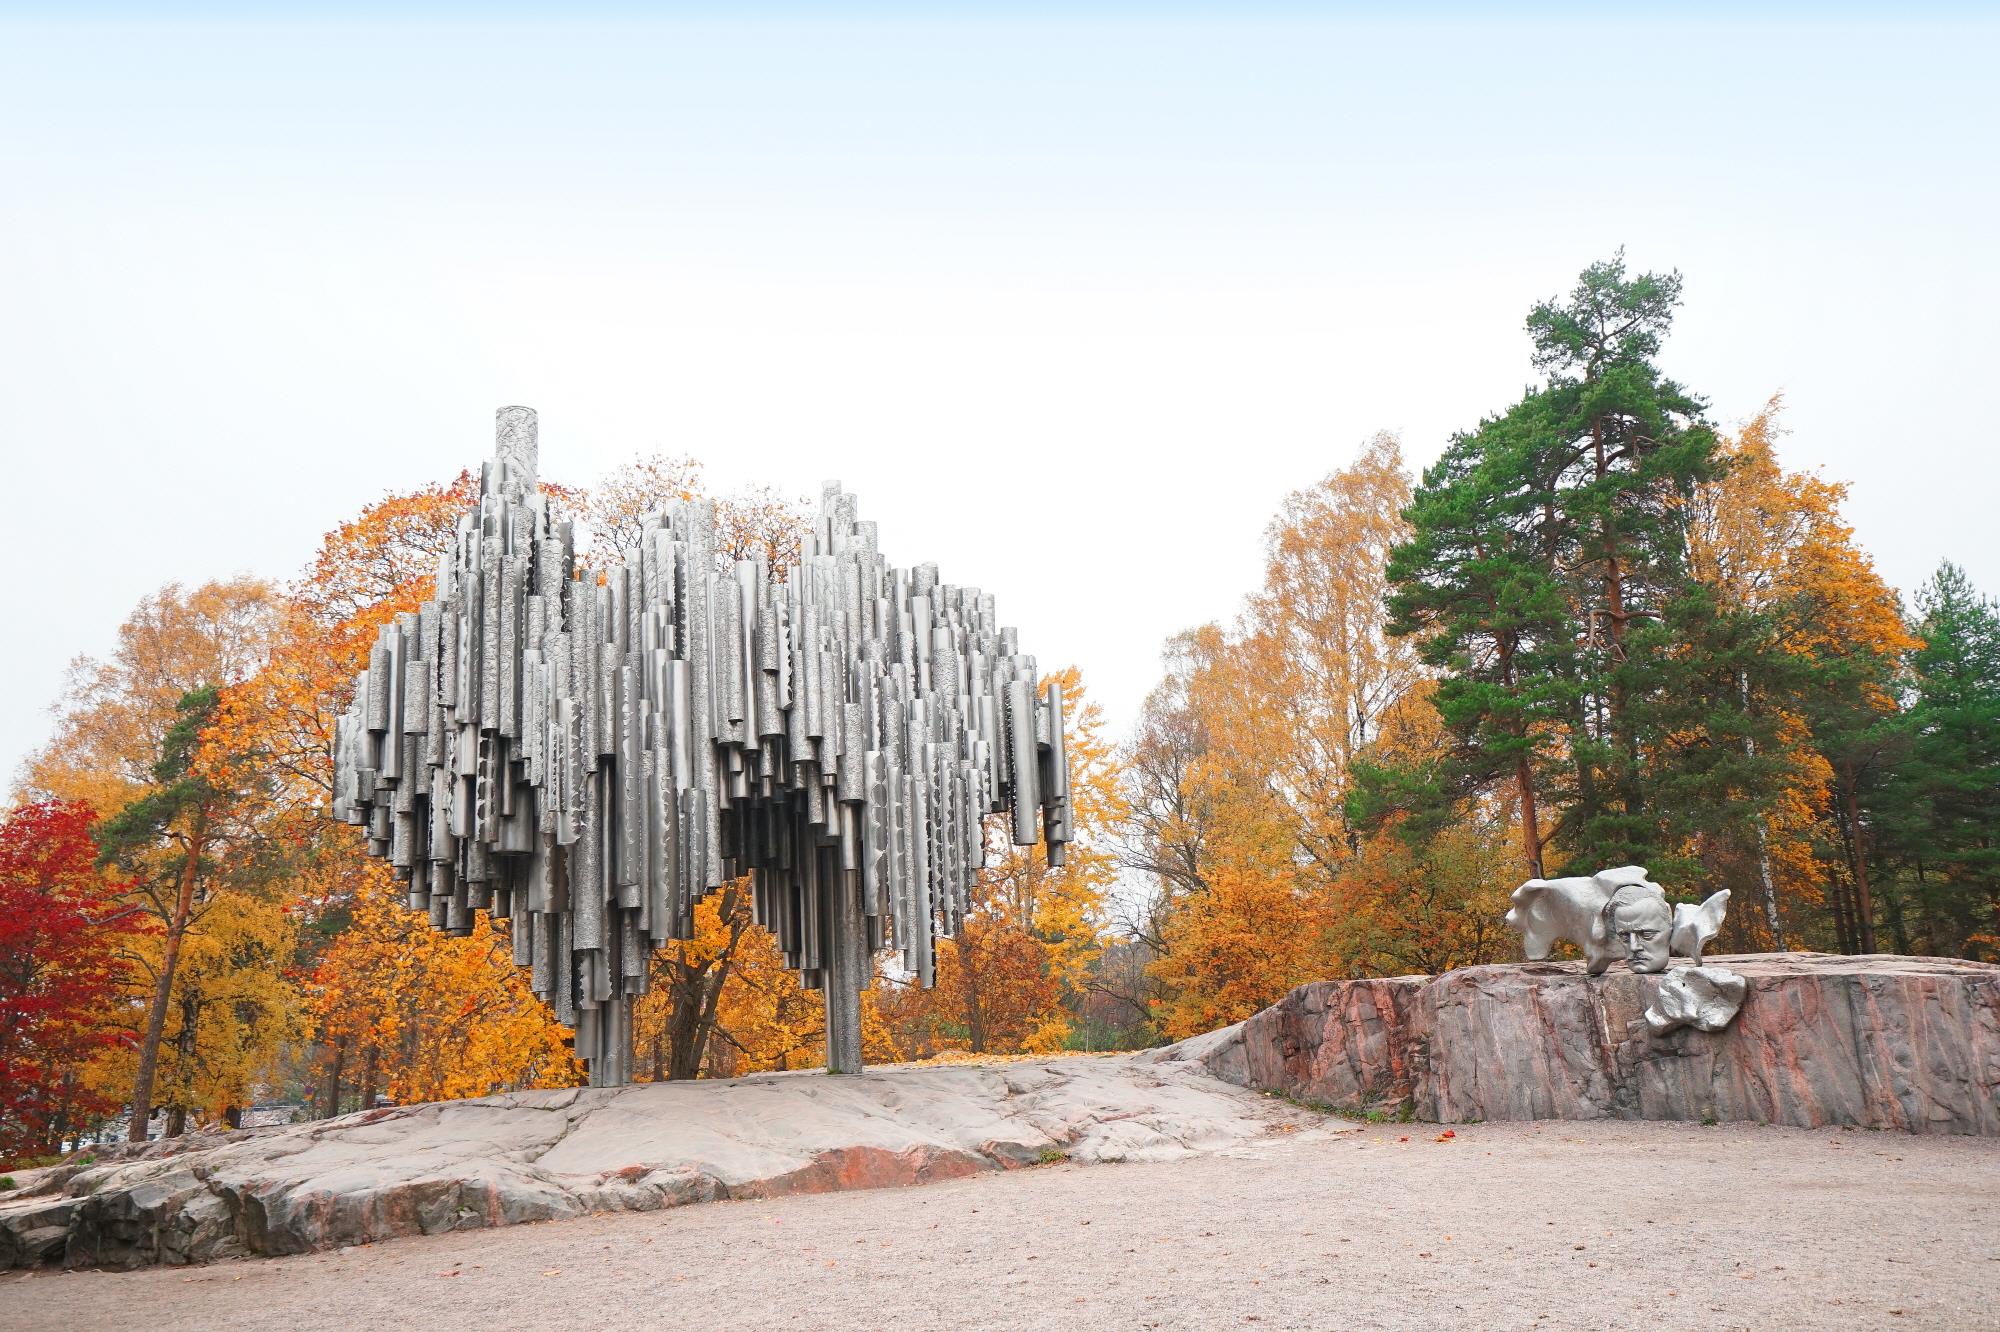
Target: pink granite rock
1909	1043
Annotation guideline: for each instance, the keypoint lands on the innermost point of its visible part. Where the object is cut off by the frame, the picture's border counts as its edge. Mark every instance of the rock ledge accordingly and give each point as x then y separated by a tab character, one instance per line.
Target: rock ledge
534	1156
1887	1042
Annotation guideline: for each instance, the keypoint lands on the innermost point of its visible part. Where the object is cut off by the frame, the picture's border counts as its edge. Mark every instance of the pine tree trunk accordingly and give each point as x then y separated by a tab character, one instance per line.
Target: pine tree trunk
1837	901
163	991
1614	614
1892	909
1531	833
1524	780
1864	904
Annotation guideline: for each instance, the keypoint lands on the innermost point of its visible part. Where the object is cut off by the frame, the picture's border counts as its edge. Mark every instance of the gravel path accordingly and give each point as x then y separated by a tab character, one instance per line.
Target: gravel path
1502	1226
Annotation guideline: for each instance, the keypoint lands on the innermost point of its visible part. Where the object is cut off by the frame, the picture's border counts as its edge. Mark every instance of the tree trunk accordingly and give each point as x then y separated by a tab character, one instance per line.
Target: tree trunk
1524	776
1892	909
975	1017
177	1114
1836	901
1622	738
156	1017
1531	833
687	1028
368	1079
1764	875
1864	903
1932	943
333	1063
697	995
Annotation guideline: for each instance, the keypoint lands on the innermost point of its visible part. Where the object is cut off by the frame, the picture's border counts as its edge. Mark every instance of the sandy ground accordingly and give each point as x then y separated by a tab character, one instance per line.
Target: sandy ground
1502	1226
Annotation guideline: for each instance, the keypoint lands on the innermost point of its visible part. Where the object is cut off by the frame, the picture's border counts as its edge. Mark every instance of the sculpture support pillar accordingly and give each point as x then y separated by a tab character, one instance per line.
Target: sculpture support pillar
847	968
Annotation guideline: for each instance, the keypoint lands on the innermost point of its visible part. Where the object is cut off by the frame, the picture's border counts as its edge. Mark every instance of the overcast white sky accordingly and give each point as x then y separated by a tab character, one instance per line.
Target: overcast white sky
1070	302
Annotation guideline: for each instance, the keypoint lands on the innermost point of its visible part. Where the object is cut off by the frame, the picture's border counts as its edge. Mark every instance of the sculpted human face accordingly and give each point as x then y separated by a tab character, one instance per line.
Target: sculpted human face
1644	928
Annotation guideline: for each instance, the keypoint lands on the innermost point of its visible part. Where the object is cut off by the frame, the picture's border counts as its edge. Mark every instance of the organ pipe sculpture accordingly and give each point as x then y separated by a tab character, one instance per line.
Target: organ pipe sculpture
588	756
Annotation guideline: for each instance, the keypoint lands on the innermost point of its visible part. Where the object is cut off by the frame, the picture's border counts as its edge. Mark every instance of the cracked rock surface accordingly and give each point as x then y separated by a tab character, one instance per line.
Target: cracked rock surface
1885	1042
535	1156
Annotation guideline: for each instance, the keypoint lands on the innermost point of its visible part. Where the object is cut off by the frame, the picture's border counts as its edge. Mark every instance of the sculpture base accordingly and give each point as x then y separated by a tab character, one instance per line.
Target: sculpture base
1910	1043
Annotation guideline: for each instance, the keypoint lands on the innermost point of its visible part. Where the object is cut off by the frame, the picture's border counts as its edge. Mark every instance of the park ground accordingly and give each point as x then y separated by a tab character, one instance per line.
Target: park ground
1552	1225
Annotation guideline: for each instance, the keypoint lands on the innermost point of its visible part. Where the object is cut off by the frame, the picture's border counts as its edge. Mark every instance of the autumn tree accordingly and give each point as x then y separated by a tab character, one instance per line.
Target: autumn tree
63	929
756	522
1264	868
409	1011
1317	662
679	1024
116	711
1812	681
183	841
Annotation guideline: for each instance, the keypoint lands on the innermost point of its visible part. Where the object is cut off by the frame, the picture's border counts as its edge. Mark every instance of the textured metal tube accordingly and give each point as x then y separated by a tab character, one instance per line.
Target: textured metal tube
593	755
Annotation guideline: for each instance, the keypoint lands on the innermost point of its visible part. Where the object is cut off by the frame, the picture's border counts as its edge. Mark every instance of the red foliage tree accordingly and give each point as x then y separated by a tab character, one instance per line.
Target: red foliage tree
61	968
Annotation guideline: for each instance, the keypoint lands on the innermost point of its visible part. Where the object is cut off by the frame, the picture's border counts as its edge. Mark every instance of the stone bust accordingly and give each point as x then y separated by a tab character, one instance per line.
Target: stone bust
1642	924
1614	915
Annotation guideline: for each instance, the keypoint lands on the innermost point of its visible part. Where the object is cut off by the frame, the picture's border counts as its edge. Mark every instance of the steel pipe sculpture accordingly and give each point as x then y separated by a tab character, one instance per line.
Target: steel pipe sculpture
587	757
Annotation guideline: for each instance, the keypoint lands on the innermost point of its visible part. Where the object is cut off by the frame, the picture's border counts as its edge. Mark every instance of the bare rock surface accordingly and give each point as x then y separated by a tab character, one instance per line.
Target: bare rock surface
1498	1227
533	1156
1888	1042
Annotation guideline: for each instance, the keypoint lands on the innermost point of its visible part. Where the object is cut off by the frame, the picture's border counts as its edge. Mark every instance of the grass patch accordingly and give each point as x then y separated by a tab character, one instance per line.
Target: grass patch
1052	1154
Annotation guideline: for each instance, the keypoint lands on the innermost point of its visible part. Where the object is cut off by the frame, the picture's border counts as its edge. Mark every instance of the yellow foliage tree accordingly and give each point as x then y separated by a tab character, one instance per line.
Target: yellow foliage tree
424	1016
1242	768
115	712
233	1015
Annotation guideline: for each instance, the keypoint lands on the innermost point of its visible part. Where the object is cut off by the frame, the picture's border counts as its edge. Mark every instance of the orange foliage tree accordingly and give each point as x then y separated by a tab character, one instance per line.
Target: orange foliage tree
423	1016
395	1006
1242	770
1017	976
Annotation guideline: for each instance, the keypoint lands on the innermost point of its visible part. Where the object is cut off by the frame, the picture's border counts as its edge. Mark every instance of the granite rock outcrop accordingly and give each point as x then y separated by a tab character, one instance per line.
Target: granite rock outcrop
535	1156
1885	1042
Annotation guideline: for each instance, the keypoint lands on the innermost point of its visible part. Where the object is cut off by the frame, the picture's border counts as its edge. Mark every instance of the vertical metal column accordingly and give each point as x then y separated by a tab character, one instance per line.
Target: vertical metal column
594	751
846	971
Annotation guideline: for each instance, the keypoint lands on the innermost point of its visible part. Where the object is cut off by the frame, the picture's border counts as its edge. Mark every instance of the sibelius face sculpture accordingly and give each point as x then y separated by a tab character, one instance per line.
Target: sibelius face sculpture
587	759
